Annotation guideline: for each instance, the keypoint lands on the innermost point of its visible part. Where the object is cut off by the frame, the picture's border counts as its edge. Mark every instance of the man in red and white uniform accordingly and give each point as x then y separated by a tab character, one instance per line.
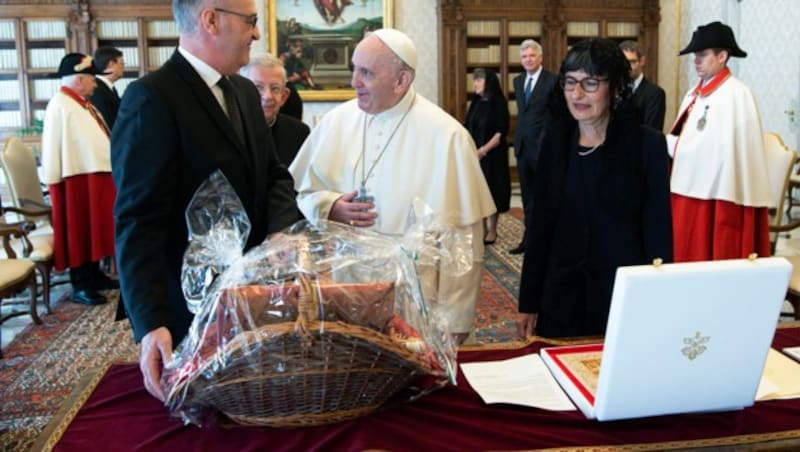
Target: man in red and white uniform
76	159
720	185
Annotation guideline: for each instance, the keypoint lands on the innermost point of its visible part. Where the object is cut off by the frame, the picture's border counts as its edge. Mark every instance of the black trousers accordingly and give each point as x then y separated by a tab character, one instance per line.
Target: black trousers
527	171
85	277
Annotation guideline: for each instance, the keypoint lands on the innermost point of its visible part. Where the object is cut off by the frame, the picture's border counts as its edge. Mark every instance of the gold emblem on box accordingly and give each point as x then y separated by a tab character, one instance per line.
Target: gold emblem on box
695	345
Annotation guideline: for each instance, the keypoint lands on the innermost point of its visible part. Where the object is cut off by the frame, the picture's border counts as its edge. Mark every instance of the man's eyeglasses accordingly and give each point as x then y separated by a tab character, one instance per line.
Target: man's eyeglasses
249	19
276	90
589	84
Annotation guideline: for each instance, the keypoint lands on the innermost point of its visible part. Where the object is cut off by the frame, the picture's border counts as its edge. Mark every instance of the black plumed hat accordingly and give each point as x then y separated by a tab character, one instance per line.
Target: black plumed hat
77	63
715	35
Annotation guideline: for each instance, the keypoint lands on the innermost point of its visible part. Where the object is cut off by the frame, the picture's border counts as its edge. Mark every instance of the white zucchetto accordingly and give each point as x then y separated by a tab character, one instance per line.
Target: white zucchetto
399	43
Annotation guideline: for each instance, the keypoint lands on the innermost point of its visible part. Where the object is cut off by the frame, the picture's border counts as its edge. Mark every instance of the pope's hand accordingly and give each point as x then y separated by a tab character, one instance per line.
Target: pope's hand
345	210
156	349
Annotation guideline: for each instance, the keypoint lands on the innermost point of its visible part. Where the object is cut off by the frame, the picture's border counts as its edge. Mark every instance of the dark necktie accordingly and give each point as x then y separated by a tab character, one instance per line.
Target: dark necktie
528	89
232	105
114	90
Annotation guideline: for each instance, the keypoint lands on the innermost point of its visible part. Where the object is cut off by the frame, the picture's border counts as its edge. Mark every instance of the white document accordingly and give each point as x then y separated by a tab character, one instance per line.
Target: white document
793	352
781	378
520	381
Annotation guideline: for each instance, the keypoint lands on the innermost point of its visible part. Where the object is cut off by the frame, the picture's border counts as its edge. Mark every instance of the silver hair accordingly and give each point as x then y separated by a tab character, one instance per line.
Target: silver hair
187	13
530	44
266	60
70	80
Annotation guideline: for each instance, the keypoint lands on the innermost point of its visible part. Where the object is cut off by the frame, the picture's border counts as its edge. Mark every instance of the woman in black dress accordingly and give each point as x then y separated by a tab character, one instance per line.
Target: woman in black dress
600	199
487	122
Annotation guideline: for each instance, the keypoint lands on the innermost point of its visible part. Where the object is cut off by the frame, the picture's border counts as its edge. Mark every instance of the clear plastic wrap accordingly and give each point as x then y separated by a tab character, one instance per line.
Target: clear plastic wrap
318	324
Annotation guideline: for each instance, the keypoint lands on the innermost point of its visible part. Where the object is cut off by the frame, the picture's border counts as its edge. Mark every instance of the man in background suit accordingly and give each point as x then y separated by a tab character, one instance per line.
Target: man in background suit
176	126
531	90
269	76
105	97
649	98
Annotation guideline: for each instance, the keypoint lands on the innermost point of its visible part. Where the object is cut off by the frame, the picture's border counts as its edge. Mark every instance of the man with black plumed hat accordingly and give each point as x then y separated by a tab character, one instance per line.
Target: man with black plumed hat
720	185
76	160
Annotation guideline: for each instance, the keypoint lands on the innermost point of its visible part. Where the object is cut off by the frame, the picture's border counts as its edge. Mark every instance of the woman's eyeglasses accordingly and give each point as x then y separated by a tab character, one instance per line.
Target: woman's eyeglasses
588	85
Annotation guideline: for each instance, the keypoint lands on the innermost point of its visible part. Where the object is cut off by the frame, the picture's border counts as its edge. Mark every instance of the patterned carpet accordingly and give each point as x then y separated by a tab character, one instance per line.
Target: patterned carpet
43	363
494	320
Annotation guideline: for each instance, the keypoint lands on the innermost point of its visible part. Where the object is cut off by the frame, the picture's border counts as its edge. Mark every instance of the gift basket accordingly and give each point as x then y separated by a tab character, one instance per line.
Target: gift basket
319	324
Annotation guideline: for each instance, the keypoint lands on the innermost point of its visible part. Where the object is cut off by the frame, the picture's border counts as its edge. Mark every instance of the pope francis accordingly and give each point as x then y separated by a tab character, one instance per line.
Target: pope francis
370	157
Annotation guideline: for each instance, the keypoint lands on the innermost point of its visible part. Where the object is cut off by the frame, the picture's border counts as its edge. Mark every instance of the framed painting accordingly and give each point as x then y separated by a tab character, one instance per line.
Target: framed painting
315	39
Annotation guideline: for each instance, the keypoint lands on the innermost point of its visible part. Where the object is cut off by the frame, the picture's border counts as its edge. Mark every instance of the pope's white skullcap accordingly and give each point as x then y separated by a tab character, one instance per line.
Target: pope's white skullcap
399	43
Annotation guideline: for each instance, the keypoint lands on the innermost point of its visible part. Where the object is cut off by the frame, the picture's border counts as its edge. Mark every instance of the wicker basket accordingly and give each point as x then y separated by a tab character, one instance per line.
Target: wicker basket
305	373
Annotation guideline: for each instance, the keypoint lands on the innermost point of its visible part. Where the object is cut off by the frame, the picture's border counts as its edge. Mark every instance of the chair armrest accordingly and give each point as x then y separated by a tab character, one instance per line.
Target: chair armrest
32	208
20	231
785	227
31	204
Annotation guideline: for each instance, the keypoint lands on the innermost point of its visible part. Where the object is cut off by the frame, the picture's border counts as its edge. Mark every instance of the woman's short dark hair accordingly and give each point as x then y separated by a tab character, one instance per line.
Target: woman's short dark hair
601	58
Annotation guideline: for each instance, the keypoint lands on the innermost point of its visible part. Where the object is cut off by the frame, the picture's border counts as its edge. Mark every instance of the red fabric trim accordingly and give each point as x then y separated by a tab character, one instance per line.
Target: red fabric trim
84	102
677	128
83	219
120	415
713	84
699	91
557	353
712	229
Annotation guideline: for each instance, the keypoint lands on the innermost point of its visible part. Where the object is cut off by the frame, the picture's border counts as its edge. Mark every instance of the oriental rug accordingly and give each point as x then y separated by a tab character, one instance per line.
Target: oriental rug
44	363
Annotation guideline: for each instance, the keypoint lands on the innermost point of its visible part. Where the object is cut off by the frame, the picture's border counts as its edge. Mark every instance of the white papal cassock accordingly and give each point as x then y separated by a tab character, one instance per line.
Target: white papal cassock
430	156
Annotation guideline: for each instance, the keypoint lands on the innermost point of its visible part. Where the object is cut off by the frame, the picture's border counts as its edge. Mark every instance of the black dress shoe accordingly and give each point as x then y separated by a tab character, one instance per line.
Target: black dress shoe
88	297
103	282
518	250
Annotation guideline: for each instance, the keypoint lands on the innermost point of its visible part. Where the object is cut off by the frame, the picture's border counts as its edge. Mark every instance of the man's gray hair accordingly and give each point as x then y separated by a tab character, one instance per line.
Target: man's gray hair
265	60
70	80
530	44
187	13
631	46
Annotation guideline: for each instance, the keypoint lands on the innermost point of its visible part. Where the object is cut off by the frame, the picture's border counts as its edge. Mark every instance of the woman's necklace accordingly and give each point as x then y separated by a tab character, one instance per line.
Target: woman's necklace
589	151
362	190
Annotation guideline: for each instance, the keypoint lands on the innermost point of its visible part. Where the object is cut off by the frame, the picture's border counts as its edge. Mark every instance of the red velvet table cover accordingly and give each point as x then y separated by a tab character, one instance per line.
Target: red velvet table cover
120	415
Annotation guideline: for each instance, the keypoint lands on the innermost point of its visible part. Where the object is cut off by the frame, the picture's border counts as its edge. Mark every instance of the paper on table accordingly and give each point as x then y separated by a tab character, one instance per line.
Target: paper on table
793	352
521	381
781	378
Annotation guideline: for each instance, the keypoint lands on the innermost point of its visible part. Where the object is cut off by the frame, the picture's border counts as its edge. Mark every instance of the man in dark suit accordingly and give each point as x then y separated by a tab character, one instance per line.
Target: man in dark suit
649	98
105	98
176	126
269	76
531	90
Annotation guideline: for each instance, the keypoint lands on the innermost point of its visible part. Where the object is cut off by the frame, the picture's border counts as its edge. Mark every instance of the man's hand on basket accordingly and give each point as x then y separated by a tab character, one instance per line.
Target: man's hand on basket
526	325
156	349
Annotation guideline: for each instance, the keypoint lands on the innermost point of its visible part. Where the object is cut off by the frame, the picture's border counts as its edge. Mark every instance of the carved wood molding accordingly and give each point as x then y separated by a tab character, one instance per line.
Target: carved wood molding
651	13
79	14
452	13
